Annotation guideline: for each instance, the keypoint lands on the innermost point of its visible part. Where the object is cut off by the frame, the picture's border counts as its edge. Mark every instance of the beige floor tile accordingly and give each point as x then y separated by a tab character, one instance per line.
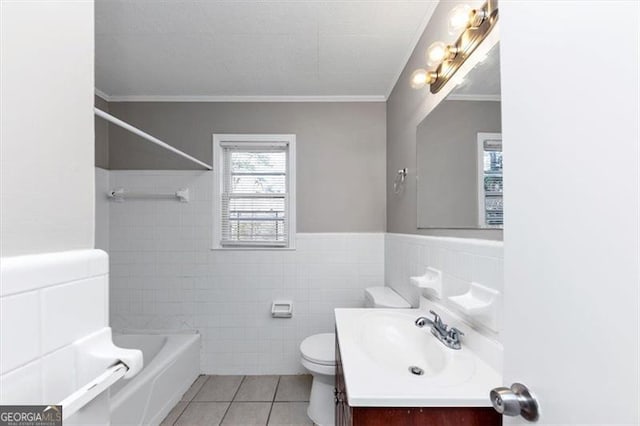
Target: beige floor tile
257	389
195	387
203	414
247	413
219	388
289	413
294	388
174	414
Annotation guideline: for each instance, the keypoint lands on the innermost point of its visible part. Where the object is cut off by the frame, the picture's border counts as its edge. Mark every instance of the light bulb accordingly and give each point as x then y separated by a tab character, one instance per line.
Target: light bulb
458	18
419	78
422	77
436	53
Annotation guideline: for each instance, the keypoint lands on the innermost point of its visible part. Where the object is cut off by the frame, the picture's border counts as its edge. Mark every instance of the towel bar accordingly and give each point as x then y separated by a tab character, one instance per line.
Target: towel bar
86	394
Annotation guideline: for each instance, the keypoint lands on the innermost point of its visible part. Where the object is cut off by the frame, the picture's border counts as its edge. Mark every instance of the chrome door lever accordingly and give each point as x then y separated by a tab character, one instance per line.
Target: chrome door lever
515	401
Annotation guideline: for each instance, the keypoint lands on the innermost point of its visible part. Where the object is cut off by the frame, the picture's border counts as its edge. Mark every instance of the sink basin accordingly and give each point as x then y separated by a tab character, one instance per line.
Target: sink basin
378	347
390	344
394	343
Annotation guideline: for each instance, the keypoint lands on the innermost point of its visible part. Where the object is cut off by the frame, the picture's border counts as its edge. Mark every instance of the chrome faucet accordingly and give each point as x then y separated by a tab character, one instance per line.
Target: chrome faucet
450	337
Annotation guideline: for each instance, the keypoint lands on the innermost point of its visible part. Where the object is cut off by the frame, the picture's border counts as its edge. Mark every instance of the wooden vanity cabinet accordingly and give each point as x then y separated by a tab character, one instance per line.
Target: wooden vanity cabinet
406	416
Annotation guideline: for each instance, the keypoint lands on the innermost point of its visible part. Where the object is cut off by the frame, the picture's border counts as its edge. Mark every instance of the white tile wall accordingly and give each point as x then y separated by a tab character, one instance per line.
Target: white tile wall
57	366
71	311
164	275
23	342
46	303
23	385
461	261
25	273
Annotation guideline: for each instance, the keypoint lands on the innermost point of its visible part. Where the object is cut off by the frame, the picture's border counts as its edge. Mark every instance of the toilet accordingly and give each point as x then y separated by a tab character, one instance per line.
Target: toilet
318	356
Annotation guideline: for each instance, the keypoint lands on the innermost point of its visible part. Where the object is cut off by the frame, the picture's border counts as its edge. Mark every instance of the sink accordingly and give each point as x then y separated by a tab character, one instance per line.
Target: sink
379	347
388	341
394	343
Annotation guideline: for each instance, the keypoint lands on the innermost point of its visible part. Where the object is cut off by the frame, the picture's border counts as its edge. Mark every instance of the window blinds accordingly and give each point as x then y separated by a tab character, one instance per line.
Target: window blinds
255	198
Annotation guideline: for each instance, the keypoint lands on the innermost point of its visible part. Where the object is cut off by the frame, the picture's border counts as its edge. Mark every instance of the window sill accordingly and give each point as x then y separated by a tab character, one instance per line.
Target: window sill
253	248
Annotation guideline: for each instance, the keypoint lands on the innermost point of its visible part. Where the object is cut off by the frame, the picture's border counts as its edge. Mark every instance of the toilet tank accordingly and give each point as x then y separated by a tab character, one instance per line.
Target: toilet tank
383	297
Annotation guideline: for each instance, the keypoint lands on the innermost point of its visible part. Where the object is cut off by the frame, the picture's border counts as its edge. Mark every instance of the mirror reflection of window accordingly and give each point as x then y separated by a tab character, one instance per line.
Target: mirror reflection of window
490	203
459	154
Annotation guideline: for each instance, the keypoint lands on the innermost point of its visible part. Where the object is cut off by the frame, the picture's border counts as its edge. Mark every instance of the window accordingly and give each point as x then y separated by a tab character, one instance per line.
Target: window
254	191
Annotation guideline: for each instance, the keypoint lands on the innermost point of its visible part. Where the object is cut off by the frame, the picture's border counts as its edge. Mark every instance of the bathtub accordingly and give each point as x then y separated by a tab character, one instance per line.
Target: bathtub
171	364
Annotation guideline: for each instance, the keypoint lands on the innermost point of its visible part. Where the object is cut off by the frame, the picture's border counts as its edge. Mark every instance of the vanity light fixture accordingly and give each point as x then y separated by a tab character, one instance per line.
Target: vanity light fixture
436	53
477	17
422	77
439	52
473	25
451	52
458	18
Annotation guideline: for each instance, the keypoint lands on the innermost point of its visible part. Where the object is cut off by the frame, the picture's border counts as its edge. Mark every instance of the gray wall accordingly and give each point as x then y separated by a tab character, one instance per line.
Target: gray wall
340	151
406	108
102	134
447	154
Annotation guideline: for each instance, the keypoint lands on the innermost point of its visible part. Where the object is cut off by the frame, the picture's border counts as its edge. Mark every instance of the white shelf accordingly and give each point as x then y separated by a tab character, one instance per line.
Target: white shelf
479	302
431	281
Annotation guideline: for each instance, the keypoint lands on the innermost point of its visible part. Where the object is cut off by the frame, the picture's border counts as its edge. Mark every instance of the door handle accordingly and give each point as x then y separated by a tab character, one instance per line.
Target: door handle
515	401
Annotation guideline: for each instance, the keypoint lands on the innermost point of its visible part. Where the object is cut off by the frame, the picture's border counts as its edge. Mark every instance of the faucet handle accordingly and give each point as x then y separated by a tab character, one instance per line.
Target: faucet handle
455	334
436	317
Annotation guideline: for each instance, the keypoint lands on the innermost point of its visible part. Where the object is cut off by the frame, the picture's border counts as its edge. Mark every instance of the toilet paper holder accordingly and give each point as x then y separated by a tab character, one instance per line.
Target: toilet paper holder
282	309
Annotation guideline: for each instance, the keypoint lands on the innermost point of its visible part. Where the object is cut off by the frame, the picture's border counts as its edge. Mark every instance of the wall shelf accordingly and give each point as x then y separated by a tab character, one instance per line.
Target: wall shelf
480	302
431	281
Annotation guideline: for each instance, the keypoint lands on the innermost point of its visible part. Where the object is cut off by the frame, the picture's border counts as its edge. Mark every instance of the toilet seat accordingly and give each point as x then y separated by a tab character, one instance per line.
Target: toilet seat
319	349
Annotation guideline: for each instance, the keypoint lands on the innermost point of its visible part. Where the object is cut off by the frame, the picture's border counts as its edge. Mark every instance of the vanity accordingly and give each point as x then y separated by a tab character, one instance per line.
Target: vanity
391	372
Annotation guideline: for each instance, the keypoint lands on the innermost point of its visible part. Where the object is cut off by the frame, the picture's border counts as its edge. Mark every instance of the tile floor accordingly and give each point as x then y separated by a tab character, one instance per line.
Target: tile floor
244	400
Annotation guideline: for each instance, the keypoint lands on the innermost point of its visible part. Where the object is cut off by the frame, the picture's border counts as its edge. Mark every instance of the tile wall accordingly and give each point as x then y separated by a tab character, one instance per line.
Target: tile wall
461	260
164	276
57	299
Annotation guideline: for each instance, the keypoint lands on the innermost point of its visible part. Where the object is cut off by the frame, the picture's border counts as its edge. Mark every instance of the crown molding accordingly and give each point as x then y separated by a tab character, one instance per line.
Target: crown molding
99	93
413	45
465	97
144	98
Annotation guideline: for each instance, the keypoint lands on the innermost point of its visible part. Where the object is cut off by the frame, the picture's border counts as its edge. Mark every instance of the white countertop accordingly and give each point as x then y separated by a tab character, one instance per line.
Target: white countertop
460	378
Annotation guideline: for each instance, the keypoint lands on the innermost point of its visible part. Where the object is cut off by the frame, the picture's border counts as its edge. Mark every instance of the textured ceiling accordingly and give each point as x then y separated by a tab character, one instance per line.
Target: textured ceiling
254	48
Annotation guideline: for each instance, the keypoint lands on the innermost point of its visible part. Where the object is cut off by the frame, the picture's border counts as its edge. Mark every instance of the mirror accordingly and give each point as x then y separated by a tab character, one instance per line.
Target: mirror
459	154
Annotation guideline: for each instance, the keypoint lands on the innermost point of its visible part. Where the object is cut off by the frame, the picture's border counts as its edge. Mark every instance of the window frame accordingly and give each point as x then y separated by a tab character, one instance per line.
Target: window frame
218	182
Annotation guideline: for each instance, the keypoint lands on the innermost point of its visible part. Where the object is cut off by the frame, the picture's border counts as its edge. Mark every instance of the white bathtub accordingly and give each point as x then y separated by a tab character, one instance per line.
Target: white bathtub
171	364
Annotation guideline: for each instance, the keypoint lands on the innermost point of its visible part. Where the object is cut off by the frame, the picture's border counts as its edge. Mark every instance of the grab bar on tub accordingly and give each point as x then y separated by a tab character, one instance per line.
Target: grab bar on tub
86	394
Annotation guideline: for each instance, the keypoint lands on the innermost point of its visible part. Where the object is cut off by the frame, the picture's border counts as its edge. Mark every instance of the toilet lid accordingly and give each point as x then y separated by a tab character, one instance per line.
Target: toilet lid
320	348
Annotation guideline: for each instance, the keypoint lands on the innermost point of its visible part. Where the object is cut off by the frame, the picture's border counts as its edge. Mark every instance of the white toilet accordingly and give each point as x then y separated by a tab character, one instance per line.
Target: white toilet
319	357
